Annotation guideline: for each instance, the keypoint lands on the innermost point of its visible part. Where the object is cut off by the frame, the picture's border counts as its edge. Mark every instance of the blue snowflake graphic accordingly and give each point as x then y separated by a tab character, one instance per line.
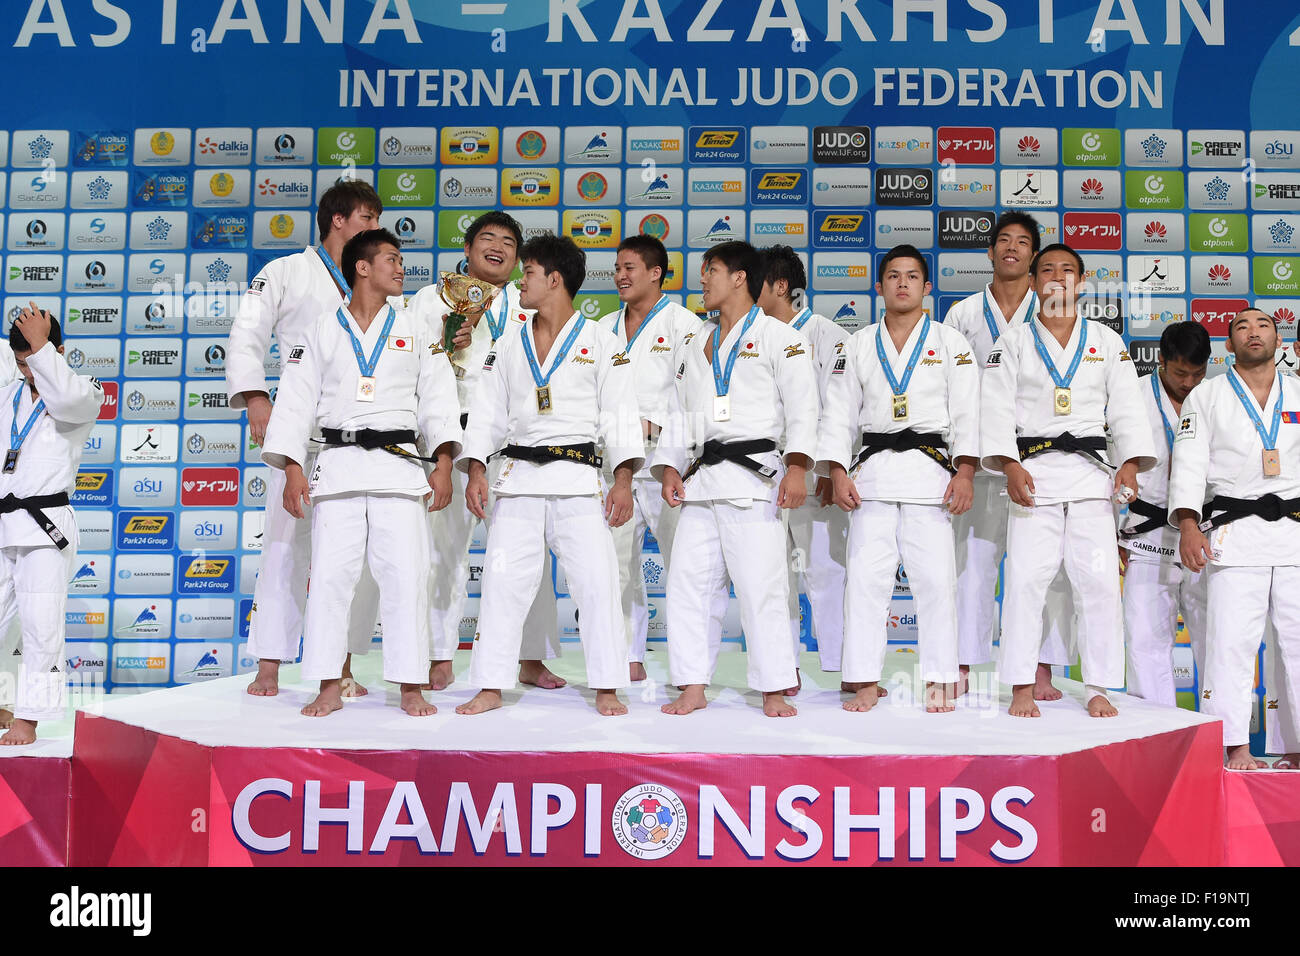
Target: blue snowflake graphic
99	188
1217	189
652	571
1154	147
40	147
1281	231
218	271
159	228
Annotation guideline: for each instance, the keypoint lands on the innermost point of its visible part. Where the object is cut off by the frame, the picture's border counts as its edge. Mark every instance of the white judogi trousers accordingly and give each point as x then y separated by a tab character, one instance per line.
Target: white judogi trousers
1279	720
1080	535
280	595
717	542
1155	592
36	590
648	511
1241	601
389	533
818	540
522	528
453	529
880	533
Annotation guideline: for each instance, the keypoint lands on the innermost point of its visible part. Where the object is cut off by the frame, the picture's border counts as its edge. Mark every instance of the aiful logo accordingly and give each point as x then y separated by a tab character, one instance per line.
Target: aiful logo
649	822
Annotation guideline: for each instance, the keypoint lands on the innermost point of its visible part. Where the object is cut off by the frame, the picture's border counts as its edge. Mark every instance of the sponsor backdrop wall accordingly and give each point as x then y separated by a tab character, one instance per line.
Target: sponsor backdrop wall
171	150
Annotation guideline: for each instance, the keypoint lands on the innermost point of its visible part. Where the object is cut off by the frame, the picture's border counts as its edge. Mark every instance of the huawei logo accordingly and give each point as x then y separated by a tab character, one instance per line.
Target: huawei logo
1091	187
1028	144
1155	230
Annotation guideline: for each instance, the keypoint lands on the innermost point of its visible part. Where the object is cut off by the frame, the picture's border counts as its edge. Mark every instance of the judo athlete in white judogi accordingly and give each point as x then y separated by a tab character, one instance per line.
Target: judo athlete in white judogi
375	382
1157	588
817	531
744	383
1051	388
981	531
908	389
47	414
491	253
558	387
1235	496
646	326
285	299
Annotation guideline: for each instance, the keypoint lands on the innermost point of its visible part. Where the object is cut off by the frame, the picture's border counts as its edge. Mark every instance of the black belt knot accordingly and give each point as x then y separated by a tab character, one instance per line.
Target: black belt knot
33	506
584	453
715	452
908	439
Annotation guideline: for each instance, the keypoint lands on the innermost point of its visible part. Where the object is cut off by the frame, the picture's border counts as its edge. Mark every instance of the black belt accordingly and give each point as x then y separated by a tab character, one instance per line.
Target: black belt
1268	507
1088	445
33	507
464	419
371	438
583	453
716	452
1155	516
906	440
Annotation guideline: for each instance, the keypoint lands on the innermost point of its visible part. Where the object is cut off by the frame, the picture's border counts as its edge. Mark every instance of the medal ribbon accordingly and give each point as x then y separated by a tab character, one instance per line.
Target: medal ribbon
722	380
900	388
1269	438
1155	389
988	313
801	319
334	271
367	369
1062	381
618	322
559	357
16	437
497	325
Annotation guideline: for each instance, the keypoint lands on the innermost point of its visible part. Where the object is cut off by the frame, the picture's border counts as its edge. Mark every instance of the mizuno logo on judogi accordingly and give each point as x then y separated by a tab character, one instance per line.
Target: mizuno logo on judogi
620	358
963	358
792	350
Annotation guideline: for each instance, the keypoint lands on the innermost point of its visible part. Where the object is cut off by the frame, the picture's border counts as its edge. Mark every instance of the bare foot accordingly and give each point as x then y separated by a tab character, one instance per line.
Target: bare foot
636	671
413	702
6	718
1043	687
327	701
1239	757
865	697
537	674
481	702
1285	762
691	699
1022	701
352	688
608	704
20	732
775	704
1099	706
440	675
798	685
267	681
963	681
939	698
852	687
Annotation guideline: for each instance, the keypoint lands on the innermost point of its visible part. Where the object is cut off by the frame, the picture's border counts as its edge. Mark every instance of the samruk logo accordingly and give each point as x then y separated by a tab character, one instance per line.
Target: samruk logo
649	822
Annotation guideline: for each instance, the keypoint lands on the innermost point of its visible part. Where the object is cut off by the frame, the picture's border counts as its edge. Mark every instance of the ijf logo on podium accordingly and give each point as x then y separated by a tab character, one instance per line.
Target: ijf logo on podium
649	822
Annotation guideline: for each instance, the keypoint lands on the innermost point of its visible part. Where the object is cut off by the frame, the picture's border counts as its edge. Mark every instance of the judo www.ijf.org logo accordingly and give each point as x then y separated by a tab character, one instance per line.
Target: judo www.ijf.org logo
649	821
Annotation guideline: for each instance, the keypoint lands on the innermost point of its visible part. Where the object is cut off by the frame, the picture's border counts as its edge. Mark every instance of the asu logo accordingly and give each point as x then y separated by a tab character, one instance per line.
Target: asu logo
792	350
963	358
620	358
210	568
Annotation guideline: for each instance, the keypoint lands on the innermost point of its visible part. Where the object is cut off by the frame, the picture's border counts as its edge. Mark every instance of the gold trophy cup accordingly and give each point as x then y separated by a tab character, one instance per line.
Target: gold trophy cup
466	297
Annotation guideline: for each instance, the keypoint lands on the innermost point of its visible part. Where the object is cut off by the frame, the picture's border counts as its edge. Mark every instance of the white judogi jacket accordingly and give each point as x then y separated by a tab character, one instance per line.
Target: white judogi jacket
942	396
1217	452
967	317
593	399
414	389
1017	399
1160	543
773	394
467	363
285	299
51	452
651	354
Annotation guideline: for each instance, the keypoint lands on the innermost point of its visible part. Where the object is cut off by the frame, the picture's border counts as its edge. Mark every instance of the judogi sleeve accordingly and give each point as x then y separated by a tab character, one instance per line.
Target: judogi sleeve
437	409
250	336
489	413
839	421
1191	460
289	431
796	383
1126	414
674	439
963	398
619	419
998	404
70	398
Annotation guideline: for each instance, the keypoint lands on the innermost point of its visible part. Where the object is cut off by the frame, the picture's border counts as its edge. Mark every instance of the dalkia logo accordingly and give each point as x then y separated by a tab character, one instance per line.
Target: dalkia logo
649	822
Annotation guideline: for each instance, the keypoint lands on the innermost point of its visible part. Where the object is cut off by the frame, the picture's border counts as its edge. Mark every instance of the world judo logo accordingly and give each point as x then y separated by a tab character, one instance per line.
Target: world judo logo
649	822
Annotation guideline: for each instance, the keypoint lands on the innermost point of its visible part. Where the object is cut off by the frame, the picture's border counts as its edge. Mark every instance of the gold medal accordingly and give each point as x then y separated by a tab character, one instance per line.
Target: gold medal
1272	463
366	388
900	407
544	400
1061	401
